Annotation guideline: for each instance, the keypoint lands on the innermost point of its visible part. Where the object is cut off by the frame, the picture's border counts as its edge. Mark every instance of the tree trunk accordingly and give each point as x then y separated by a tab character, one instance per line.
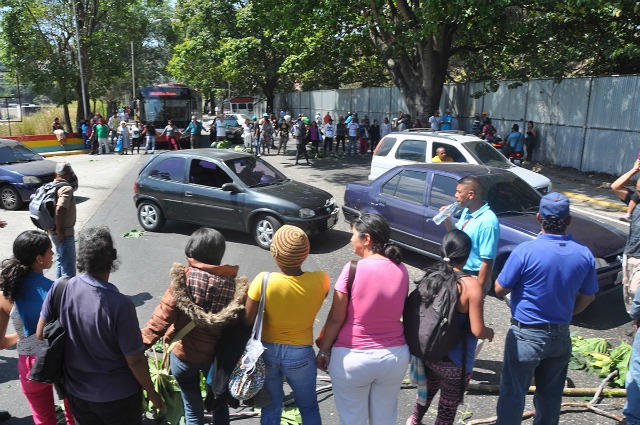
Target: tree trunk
71	127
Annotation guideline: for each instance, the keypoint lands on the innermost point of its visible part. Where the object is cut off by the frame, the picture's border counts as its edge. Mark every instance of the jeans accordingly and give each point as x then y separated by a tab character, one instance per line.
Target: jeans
298	365
536	352
187	375
104	146
366	383
65	255
151	141
632	407
353	143
39	395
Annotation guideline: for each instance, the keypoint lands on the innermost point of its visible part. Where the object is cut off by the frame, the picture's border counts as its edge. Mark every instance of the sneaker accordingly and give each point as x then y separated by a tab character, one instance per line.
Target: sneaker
626	218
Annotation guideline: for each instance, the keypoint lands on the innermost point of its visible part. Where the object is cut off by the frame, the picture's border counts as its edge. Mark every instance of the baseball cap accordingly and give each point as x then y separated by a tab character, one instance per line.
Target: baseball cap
554	204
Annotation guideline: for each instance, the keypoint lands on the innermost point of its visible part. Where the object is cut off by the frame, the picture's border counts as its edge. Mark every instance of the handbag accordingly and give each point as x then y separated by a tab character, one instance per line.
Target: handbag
350	279
248	376
49	364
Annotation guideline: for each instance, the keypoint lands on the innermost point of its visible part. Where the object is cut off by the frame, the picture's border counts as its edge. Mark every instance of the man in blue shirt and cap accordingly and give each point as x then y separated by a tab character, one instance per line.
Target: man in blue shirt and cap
550	278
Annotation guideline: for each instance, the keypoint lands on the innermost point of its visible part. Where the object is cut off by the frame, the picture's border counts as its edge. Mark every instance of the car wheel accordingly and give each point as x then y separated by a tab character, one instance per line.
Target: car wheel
150	216
10	198
264	229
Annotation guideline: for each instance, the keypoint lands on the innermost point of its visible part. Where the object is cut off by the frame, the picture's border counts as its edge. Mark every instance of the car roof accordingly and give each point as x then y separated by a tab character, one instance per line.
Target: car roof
459	169
451	136
219	154
9	142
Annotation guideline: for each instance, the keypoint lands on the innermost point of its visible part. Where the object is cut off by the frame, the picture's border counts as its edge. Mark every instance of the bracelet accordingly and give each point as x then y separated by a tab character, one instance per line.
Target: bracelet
324	354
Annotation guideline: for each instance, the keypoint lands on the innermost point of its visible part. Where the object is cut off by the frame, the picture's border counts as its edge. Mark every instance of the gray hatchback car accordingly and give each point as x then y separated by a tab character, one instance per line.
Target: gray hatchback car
228	190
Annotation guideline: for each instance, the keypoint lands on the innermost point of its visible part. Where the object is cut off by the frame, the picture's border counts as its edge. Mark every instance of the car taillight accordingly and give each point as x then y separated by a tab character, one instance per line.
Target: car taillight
135	187
375	151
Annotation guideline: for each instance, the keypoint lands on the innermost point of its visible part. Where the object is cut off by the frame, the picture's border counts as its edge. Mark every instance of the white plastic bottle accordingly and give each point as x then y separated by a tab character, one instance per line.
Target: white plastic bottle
446	212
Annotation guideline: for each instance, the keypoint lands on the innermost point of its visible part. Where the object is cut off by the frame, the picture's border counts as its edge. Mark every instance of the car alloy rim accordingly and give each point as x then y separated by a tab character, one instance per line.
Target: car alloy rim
265	232
148	215
8	198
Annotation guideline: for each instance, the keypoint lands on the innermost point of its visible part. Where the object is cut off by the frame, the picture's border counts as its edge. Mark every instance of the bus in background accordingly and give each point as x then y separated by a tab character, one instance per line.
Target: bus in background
164	102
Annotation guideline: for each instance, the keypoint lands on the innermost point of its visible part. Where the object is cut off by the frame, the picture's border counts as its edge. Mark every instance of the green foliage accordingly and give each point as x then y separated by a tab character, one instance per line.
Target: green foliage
223	144
595	356
134	233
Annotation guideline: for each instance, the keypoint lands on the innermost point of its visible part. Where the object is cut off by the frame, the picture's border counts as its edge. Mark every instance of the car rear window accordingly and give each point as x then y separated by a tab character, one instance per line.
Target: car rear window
408	185
169	169
385	146
412	150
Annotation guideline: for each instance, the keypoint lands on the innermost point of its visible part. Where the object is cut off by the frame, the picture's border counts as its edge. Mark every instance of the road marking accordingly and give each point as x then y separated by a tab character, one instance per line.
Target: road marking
596	201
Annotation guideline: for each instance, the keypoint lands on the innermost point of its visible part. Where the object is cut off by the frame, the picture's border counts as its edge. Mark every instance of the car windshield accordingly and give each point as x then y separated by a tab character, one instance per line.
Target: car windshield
508	195
11	153
231	122
254	172
486	154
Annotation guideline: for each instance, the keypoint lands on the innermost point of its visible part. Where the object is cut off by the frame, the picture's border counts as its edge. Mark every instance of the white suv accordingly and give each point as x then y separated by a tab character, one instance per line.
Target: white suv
420	145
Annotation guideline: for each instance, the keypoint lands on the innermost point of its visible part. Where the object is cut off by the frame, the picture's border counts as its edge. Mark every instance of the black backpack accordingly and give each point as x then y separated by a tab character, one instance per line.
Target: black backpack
42	208
49	364
431	331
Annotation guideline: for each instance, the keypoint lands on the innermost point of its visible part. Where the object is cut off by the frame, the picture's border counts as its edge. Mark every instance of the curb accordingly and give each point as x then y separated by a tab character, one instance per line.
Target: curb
65	153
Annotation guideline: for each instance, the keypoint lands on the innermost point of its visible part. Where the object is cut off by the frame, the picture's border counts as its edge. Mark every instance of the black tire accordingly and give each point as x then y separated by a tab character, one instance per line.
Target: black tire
150	216
10	198
264	227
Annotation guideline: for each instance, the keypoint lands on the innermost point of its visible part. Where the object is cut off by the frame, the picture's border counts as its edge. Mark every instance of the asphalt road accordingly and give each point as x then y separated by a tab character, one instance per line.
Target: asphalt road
105	198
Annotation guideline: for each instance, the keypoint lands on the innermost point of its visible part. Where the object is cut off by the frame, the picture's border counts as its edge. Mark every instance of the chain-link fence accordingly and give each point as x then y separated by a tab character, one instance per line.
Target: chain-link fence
590	123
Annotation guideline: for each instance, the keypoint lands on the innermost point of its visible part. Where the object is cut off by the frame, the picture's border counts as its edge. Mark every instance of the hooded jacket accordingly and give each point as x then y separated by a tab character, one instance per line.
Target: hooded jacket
177	308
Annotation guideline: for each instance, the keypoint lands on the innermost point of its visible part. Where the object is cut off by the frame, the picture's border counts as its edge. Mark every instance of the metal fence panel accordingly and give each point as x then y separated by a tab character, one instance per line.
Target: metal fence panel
609	151
379	103
560	145
614	103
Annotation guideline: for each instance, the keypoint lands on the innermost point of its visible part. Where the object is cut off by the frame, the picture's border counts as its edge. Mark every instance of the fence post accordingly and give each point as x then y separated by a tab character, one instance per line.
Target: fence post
586	121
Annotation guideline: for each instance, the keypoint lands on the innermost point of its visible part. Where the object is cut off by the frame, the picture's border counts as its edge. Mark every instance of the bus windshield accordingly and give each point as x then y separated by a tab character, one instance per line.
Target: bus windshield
174	102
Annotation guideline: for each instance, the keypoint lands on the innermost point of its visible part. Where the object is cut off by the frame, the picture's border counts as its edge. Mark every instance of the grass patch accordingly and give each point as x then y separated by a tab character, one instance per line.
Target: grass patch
40	122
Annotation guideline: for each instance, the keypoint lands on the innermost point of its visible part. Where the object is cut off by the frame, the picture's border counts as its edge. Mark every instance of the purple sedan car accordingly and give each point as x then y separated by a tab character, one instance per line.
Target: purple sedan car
409	196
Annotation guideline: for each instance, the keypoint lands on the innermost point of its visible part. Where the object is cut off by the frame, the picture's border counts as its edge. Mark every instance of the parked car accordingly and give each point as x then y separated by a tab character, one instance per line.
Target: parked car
229	190
233	131
409	147
22	171
410	196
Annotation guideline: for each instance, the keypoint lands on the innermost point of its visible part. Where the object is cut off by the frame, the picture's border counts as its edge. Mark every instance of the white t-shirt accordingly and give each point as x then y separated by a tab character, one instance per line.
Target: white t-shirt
329	130
221	128
353	128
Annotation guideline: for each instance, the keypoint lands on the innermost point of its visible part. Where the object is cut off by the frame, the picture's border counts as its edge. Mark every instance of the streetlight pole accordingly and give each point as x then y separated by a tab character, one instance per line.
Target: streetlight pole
133	74
84	94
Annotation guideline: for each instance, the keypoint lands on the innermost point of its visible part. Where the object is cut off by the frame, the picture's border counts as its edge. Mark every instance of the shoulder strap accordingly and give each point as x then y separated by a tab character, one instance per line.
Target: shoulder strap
256	333
181	334
57	295
352	277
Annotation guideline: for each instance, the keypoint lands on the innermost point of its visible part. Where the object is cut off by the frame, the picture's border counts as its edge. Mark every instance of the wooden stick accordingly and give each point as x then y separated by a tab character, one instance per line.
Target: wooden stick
571	392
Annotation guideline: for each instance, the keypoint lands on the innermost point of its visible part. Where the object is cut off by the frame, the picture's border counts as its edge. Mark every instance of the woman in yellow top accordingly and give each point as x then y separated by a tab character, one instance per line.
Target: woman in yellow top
293	299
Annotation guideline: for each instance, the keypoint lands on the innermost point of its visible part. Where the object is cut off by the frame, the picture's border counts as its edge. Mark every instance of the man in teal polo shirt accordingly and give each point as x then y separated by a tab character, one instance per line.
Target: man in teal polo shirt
481	224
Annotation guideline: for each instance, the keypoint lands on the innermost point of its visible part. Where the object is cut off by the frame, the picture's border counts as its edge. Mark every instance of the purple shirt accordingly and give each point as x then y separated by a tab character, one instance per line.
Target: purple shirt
102	328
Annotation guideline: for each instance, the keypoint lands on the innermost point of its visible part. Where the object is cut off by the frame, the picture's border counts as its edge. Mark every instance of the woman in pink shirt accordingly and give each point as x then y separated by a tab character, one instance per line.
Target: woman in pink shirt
363	346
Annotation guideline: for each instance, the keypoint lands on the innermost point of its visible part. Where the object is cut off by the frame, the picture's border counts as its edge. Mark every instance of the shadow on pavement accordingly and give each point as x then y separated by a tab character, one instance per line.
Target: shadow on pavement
139	299
487	371
605	312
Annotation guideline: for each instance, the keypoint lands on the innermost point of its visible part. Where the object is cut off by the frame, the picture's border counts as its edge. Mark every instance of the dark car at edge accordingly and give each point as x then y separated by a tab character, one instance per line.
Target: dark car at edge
410	196
22	171
228	190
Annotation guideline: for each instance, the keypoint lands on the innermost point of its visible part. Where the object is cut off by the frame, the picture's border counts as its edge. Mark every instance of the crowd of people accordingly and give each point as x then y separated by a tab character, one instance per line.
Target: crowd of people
362	344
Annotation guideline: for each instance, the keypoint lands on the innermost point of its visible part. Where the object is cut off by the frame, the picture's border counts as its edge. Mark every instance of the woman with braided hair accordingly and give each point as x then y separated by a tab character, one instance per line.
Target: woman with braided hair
363	345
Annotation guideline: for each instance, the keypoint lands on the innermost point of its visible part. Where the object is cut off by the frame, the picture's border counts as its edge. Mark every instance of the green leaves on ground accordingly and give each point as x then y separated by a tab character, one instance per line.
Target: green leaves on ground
595	356
134	233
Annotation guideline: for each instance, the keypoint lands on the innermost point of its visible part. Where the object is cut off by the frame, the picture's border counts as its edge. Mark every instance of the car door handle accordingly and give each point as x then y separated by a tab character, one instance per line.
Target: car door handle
379	204
188	193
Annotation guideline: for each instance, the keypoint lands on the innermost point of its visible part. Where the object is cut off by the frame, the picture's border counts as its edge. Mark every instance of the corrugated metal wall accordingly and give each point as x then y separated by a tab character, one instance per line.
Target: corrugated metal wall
591	124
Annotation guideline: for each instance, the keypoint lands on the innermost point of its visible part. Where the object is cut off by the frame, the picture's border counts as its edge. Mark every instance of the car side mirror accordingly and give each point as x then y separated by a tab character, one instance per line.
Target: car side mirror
232	187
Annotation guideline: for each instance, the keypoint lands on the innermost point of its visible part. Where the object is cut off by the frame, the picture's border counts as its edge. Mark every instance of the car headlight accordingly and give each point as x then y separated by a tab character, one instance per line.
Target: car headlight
306	213
550	187
31	180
